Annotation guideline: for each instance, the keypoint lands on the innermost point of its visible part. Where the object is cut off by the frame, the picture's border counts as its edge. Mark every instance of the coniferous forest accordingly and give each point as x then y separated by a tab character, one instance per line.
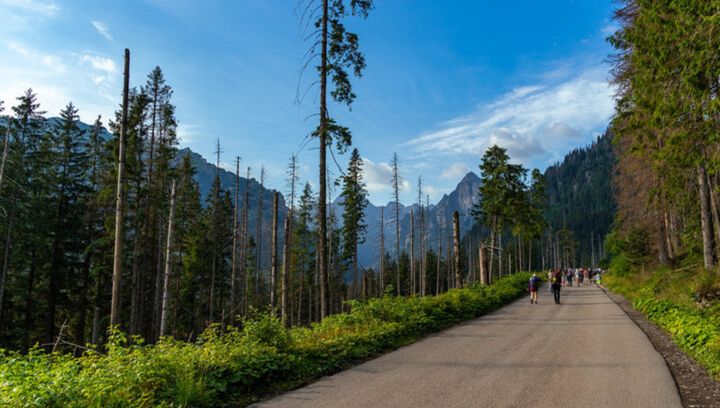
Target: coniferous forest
136	273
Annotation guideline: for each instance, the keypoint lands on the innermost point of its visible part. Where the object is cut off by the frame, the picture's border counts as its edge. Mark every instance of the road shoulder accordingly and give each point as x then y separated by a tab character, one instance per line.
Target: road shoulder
696	387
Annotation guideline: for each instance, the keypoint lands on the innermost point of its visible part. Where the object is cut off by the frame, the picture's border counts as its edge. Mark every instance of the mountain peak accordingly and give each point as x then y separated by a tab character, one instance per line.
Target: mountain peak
470	178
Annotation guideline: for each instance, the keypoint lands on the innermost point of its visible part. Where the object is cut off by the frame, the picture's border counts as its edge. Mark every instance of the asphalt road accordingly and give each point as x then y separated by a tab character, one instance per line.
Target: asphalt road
583	353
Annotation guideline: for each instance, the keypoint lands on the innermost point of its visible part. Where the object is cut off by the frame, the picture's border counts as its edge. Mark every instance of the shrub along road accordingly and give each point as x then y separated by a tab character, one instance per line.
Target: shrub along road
585	352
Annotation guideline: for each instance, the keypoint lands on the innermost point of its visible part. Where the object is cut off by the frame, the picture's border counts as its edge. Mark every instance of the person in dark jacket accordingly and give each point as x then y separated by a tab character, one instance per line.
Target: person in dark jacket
556	284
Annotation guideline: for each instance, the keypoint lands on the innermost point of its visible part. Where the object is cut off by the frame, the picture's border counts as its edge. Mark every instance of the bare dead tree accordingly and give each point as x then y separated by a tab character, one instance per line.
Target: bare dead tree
120	201
168	263
456	249
274	252
234	270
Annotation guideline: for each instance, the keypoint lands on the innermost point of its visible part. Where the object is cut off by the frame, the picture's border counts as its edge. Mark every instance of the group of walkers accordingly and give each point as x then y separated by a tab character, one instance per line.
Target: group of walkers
557	278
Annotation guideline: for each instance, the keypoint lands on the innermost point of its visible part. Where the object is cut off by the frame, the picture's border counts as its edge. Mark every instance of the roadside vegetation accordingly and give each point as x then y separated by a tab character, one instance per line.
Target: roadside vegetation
237	366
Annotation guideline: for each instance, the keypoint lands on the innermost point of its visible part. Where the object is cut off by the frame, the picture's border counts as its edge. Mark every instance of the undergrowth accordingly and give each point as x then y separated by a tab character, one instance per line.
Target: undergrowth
234	367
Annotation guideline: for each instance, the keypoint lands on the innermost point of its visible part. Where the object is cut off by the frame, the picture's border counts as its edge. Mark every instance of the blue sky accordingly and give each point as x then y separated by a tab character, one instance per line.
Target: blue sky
444	79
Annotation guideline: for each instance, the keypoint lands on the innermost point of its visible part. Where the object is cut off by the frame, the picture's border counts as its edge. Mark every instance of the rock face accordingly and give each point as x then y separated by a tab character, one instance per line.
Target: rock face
462	199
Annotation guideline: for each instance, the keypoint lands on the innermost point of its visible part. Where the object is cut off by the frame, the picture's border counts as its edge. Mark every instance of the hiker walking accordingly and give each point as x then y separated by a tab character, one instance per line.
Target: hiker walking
533	287
556	284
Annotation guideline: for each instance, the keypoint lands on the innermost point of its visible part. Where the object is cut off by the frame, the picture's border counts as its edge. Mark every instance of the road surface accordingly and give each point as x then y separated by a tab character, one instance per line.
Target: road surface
583	353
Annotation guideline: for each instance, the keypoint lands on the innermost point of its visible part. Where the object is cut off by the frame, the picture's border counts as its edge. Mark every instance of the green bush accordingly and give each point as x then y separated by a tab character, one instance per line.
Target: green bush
696	332
235	367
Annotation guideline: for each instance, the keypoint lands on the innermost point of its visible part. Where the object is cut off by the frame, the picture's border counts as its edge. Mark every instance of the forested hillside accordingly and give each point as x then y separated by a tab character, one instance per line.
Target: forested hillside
581	202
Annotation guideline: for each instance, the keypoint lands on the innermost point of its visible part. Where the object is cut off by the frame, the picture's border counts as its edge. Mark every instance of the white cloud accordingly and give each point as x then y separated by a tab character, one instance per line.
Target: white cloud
188	134
103	29
529	121
455	170
46	9
100	63
378	177
19	49
57	79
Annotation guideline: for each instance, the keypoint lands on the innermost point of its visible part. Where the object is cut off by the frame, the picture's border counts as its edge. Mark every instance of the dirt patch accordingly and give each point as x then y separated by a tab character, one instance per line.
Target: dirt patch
697	388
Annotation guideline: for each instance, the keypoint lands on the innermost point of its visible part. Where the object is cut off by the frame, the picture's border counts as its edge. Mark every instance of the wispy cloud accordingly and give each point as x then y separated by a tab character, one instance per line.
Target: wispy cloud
529	121
87	80
100	63
103	30
455	171
42	8
378	177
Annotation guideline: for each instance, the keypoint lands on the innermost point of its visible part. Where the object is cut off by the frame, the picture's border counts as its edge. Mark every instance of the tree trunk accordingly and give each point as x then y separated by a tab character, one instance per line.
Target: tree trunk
482	256
706	219
29	301
83	304
244	247
412	253
663	257
493	235
168	264
668	236
712	192
500	253
456	248
355	267
234	270
285	271
322	194
258	238
4	155
437	268
119	202
6	257
382	251
274	254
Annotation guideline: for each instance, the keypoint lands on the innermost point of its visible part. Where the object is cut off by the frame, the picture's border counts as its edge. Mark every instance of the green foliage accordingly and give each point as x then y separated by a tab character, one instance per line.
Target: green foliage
236	366
628	253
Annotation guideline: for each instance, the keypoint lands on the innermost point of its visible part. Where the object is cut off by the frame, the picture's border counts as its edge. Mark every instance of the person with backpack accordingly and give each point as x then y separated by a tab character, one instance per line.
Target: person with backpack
533	287
556	284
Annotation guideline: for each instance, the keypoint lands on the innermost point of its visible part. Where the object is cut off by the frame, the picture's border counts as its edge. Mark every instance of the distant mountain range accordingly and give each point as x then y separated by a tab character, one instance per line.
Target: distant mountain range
579	197
439	217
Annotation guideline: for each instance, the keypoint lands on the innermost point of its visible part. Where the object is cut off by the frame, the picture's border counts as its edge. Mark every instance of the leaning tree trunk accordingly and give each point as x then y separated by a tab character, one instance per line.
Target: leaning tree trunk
706	219
4	155
456	246
119	202
168	264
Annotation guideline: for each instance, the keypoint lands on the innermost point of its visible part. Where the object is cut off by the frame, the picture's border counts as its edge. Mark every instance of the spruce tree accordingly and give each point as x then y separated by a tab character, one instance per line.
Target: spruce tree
354	197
